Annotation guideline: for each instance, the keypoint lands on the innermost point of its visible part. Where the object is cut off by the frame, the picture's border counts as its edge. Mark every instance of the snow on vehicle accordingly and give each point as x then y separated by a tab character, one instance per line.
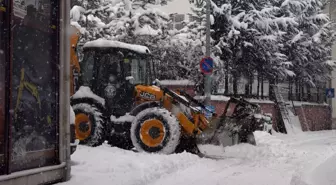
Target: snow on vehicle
120	100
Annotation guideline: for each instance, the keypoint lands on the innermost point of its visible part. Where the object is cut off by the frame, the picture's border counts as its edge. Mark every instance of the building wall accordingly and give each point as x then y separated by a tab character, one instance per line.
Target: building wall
177	21
315	117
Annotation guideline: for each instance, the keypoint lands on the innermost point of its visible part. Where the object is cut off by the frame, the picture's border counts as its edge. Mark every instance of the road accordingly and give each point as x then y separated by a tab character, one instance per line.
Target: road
277	159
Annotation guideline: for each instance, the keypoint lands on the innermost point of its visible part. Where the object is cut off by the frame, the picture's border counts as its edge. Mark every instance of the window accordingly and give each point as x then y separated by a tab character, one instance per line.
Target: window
139	71
34	90
109	65
87	69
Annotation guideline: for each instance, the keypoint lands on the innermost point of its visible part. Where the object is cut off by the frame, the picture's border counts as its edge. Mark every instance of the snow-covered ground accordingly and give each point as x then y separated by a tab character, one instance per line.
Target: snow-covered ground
305	159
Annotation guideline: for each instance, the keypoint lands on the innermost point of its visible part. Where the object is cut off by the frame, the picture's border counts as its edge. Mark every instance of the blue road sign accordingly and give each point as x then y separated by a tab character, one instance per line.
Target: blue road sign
209	111
206	65
330	93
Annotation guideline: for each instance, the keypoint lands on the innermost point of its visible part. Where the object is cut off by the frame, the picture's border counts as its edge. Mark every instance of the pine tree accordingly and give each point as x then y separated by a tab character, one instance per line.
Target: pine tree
246	39
308	43
274	39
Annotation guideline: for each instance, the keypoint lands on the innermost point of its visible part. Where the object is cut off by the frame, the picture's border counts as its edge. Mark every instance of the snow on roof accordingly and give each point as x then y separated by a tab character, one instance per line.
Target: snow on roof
101	43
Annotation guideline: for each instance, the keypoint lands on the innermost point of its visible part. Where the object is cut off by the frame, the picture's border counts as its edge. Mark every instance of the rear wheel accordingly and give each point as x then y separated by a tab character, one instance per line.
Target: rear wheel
155	130
89	126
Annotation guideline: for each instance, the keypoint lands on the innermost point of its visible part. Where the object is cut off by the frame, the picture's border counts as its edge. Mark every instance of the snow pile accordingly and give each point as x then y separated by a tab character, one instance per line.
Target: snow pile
277	159
324	173
85	92
104	165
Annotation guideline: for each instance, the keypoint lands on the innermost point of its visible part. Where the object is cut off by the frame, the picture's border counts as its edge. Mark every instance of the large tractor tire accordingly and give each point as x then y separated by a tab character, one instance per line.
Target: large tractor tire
89	124
155	130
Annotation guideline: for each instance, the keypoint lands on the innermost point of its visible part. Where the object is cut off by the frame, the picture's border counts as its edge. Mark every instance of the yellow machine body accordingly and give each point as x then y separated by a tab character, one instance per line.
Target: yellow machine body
195	125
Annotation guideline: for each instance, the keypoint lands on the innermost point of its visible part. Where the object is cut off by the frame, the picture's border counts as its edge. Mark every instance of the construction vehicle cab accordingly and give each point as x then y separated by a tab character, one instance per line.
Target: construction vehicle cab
111	69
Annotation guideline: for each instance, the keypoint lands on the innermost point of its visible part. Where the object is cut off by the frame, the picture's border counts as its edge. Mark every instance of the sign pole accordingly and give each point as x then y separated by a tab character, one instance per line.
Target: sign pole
207	79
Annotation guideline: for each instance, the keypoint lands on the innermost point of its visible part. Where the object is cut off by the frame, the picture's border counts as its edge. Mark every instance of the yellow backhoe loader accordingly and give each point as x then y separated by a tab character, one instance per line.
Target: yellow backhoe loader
120	100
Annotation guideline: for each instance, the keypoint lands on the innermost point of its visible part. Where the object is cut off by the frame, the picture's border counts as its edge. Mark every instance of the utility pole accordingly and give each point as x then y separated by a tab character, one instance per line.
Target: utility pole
207	79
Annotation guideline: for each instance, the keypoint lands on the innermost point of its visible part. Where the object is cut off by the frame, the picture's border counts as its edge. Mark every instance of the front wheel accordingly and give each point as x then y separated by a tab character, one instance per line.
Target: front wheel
89	128
155	130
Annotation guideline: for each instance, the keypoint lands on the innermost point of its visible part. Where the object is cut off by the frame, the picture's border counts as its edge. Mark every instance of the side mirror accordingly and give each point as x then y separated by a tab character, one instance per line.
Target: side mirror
130	79
156	82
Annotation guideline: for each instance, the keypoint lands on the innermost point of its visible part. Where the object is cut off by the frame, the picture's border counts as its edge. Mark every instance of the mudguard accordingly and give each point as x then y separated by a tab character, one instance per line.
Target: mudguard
144	106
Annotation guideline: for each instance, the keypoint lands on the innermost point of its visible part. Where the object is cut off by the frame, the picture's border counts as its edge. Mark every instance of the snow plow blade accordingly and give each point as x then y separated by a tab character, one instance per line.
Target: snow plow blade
236	125
211	142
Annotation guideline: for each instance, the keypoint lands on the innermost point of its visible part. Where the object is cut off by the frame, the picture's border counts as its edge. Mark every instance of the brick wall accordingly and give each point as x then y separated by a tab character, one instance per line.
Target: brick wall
265	107
314	116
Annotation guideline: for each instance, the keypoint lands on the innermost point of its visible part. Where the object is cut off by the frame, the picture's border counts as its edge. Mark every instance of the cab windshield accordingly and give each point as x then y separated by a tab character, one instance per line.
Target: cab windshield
141	70
97	67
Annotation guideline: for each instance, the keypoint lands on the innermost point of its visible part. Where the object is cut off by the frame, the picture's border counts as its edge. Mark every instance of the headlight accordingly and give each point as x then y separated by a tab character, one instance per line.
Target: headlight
110	91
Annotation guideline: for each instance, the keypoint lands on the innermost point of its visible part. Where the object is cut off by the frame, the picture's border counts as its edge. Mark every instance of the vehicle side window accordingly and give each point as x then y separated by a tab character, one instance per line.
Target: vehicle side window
87	69
127	67
138	71
134	70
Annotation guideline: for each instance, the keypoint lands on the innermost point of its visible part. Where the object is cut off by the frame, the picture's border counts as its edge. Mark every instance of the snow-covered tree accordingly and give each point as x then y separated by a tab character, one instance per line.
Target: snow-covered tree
308	44
272	38
198	17
115	19
246	38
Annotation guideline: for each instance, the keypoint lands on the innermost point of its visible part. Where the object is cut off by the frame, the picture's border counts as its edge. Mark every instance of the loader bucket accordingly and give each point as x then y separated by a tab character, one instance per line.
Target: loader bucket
234	126
213	140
